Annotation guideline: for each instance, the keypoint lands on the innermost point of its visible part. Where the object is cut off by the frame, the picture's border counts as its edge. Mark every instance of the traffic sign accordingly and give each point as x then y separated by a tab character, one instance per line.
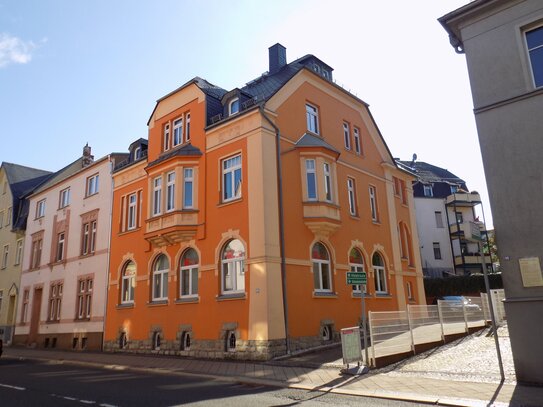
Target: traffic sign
355	278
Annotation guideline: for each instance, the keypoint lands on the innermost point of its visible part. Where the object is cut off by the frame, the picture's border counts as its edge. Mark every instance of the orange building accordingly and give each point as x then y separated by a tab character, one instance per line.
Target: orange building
223	248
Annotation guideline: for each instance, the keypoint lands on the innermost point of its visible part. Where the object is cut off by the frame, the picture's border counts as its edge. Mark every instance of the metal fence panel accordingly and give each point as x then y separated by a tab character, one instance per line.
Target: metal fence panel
425	323
389	332
452	316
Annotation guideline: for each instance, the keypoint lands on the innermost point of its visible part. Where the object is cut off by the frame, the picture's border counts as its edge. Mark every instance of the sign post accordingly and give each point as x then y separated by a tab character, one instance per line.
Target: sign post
361	279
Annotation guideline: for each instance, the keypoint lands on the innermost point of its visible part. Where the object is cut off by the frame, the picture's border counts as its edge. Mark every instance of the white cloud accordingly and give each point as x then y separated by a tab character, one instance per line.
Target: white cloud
14	50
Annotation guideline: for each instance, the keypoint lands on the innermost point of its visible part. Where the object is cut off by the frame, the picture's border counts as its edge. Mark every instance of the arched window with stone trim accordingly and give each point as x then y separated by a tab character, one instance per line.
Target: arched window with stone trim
161	267
356	265
232	267
128	282
379	273
322	271
188	274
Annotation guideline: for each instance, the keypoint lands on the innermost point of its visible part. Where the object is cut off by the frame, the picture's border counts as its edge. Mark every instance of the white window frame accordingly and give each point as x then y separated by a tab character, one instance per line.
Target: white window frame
428	191
439	219
316	265
157	196
529	51
84	298
437	251
356	137
8	216
230	172
40	209
64	199
162	281
312	118
380	279
351	191
166	136
18	252
5	256
234	270
170	191
92	184
311	178
137	153
373	203
188	180
1	219
231	104
327	179
409	291
128	284
131	222
358	268
192	271
347	136
61	241
187	127
177	132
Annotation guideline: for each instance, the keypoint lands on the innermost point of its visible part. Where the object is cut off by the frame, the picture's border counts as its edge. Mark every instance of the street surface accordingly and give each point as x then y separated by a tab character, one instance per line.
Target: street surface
30	383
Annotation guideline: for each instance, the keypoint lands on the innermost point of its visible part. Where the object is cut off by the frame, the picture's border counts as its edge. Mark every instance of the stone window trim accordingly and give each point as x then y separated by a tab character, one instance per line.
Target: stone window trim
89	230
185	337
85	286
54	309
131	205
36	249
127	282
160	278
60	240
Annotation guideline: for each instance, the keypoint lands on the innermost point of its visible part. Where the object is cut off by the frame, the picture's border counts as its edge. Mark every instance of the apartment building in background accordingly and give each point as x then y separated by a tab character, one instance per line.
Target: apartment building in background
64	265
446	221
16	182
235	224
503	44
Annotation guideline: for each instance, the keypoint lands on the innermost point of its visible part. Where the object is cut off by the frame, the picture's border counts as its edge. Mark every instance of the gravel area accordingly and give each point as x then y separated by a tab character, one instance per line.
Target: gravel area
472	358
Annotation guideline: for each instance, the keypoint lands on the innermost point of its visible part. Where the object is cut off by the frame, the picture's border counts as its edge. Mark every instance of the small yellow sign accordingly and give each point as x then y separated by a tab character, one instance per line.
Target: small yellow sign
530	269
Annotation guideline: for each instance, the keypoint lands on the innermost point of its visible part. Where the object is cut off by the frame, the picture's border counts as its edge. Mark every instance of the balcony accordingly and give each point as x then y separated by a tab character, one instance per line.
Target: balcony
468	230
471	258
171	228
463	199
321	218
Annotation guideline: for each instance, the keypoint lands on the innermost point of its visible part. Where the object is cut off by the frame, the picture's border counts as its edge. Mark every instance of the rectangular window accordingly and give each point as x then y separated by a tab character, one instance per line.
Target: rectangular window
439	219
403	192
1	297
170	191
327	182
60	247
5	255
312	117
396	186
347	136
357	143
187	127
19	252
92	185
534	42
35	259
55	301
8	216
459	217
166	136
311	178
428	191
437	251
373	204
177	131
231	178
188	182
40	209
64	199
84	298
454	189
409	291
157	196
352	196
189	281
24	312
88	243
132	211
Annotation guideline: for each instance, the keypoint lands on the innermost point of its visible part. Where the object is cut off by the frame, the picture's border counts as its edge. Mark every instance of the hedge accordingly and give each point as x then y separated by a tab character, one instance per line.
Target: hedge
460	285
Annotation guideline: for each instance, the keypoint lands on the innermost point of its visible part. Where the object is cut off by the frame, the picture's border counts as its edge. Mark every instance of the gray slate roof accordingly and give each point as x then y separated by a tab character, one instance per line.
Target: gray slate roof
428	173
311	140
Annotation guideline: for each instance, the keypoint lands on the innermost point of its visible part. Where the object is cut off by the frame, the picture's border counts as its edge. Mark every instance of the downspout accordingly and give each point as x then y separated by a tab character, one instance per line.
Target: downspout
281	223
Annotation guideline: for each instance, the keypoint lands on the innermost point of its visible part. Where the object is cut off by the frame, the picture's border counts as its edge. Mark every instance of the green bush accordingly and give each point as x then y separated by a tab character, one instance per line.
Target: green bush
460	285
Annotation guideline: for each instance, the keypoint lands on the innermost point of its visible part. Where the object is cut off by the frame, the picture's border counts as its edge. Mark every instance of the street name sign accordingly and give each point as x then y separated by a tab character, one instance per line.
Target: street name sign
355	278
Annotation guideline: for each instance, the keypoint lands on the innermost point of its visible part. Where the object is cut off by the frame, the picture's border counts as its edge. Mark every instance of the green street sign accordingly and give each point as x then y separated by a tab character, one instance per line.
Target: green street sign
354	278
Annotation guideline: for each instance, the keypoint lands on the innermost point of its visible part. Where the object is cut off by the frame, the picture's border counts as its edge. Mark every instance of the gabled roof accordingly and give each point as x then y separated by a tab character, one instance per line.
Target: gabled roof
61	175
311	140
428	173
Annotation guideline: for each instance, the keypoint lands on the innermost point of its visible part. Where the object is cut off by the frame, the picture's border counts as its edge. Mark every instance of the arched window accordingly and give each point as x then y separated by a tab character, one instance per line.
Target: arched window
160	278
322	275
380	274
128	282
188	274
185	340
326	333
123	340
156	340
233	107
356	265
232	273
230	341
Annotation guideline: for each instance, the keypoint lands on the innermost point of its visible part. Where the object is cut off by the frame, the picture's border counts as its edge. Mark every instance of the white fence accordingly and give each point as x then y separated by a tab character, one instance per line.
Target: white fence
394	332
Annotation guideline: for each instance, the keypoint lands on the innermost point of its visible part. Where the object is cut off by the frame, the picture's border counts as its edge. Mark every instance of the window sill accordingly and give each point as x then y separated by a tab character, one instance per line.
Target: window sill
84	256
125	306
91	195
383	295
124	232
81	319
355	217
233	201
324	294
233	296
376	222
158	303
188	300
52	322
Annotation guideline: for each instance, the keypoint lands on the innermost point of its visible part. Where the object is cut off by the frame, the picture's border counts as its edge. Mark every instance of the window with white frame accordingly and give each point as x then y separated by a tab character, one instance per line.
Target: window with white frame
409	291
1	219
187	127
379	273
428	191
437	250
188	274
231	178
188	183
232	267
233	107
312	118
92	185
8	216
55	301
132	211
356	265
161	268
26	299
64	200
177	131
157	196
5	256
137	153
454	189
19	252
88	241
322	273
439	219
60	247
459	217
373	204
35	253
170	191
347	136
84	298
534	42
40	209
357	143
327	182
311	179
128	283
166	136
351	191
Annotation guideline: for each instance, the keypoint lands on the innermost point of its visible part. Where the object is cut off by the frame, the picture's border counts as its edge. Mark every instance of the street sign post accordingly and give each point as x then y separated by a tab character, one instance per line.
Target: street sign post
361	279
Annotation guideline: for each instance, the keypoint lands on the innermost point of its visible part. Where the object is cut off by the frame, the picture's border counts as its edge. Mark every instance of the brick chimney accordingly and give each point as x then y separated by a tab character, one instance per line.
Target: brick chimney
278	58
88	158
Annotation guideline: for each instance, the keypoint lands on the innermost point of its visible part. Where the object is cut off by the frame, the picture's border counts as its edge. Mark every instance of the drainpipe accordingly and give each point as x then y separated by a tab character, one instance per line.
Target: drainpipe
281	223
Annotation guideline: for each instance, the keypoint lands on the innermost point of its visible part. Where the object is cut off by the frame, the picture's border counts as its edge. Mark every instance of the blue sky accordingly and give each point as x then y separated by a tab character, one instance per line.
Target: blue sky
73	72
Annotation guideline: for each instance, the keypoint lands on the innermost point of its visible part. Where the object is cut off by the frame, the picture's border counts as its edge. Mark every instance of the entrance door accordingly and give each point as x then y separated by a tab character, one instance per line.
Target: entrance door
35	318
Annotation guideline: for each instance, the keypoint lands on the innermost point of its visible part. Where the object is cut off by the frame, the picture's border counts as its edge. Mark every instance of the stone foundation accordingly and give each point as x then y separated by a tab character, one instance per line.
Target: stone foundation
68	341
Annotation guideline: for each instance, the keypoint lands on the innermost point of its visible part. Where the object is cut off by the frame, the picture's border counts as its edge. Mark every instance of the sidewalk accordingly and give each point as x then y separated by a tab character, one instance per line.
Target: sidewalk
324	378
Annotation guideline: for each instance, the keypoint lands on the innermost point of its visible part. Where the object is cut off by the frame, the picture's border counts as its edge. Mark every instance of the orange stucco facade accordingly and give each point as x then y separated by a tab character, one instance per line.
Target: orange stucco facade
195	265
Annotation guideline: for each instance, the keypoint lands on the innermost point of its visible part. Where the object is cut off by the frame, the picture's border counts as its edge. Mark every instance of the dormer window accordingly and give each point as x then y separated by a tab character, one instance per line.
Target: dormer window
137	153
317	68
454	189
428	191
233	107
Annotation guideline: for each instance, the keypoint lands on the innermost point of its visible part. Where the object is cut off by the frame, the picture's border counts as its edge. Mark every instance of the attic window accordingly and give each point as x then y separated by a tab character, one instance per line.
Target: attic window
317	68
137	153
233	107
325	74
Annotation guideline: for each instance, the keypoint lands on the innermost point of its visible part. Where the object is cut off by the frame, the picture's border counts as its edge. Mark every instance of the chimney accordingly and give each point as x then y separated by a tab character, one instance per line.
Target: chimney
87	157
278	58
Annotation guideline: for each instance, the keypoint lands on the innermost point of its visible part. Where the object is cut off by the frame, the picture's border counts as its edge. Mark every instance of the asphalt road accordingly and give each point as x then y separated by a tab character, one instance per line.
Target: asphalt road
30	383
